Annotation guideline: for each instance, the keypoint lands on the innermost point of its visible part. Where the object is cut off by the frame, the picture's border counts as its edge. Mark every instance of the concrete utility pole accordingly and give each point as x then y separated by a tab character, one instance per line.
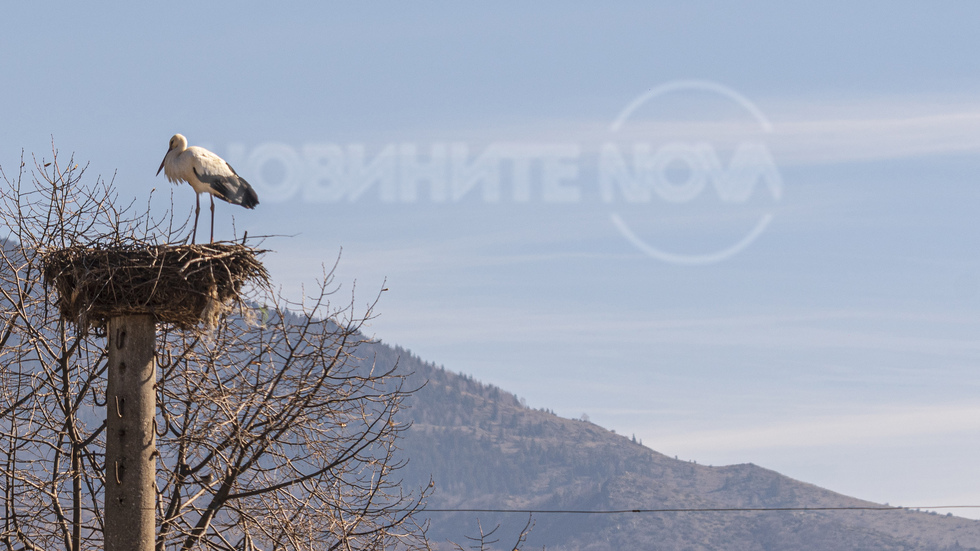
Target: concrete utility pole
130	455
128	290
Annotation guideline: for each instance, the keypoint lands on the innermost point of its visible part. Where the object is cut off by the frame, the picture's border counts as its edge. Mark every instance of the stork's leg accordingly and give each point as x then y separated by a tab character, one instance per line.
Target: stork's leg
197	214
212	217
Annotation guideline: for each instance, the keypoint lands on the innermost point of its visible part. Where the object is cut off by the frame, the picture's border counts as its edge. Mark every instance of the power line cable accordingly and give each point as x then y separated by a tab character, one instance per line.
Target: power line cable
700	510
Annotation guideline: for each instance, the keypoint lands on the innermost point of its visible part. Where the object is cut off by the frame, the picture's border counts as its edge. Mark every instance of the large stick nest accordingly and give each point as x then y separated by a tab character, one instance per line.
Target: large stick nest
179	284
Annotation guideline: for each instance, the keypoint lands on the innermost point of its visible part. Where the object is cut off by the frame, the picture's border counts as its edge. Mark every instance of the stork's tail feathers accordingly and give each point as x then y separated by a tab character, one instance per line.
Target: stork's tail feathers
245	195
233	189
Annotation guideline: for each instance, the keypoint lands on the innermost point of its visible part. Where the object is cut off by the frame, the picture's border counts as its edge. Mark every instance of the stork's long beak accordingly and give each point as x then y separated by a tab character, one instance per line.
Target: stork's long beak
161	163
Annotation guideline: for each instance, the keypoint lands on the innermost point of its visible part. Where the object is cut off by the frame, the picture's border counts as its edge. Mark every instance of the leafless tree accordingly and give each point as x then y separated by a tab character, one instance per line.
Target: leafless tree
486	540
272	432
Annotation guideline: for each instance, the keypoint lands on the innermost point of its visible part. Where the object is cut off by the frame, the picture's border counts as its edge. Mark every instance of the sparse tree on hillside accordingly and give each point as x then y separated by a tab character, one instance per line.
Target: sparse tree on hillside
486	540
272	433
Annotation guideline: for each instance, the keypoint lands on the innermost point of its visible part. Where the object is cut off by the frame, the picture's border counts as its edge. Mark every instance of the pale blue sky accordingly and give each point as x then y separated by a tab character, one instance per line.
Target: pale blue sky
840	347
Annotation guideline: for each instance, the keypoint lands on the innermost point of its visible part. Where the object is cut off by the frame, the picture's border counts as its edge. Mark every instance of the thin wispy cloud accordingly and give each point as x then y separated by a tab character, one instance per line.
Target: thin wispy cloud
877	427
807	331
818	132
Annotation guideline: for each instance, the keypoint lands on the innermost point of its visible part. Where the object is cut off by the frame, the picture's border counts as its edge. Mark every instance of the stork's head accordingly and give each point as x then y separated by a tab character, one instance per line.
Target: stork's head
177	144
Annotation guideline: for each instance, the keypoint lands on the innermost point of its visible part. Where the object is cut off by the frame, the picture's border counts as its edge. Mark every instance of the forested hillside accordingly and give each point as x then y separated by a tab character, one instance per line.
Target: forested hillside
485	449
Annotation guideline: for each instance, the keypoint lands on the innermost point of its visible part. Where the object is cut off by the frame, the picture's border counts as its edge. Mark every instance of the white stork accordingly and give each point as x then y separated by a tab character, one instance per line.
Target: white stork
206	173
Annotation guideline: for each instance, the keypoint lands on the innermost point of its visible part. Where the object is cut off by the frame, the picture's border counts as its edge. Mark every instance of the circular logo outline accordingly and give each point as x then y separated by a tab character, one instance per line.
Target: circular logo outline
689	259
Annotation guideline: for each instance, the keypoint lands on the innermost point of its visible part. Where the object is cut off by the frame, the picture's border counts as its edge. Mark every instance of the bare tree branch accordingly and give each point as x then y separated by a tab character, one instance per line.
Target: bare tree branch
272	432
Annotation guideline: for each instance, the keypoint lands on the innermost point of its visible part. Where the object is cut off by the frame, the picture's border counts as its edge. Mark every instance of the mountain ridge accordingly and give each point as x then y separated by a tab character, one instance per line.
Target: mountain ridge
485	449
